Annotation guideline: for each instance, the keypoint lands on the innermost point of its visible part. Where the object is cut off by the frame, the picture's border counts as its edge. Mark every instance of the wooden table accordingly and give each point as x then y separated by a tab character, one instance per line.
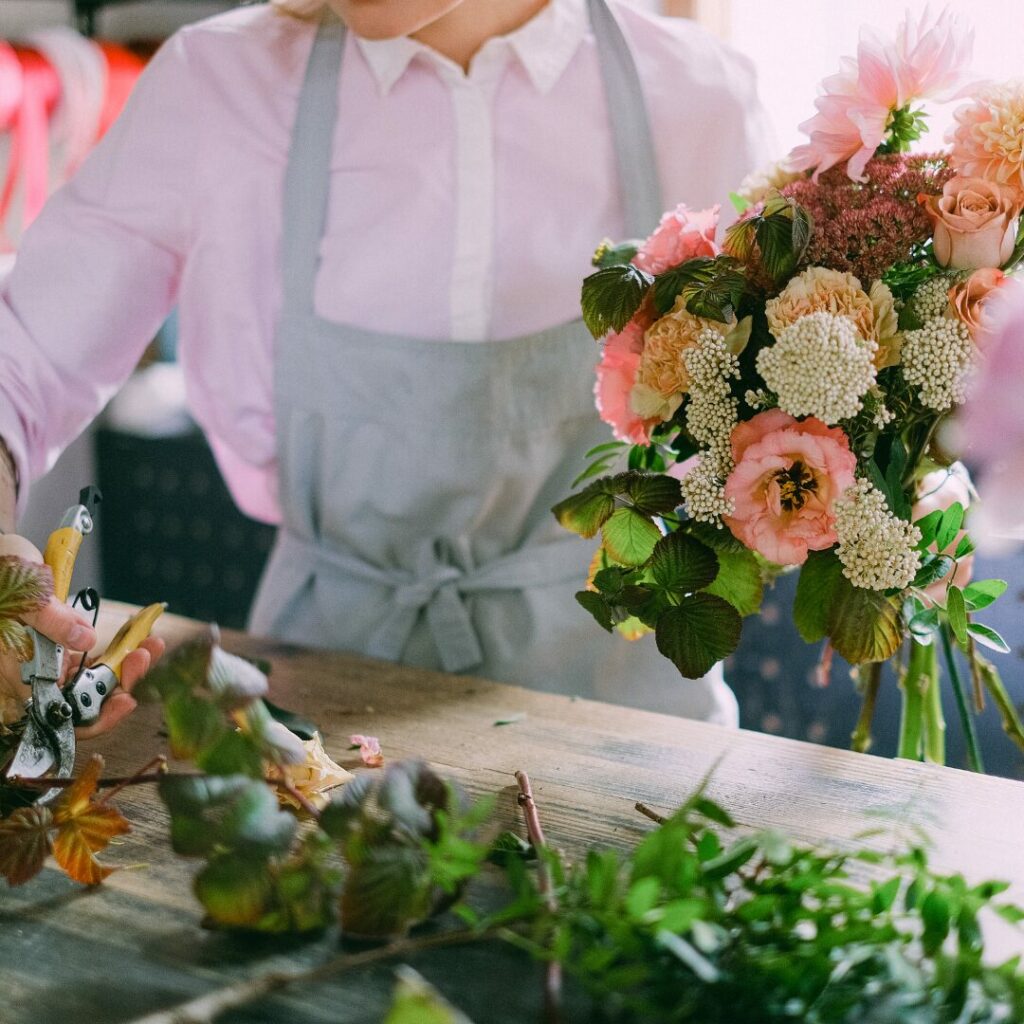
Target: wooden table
134	945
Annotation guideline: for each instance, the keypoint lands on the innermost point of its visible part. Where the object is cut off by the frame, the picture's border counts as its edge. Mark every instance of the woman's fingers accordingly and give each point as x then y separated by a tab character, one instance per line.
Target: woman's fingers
118	706
138	663
62	625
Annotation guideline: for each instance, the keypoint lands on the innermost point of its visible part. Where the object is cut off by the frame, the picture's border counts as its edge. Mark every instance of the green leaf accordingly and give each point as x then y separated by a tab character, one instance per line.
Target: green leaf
234	890
697	633
386	892
304	728
710	287
900	505
982	593
933	568
24	586
16	640
597	606
233	753
418	1002
782	233
702	968
611	296
642	896
585	513
630	537
738	581
609	254
713	812
863	625
820	578
956	611
653	494
923	625
681	564
935	912
229	812
739	203
193	724
884	896
988	637
949	526
965	547
928	525
233	680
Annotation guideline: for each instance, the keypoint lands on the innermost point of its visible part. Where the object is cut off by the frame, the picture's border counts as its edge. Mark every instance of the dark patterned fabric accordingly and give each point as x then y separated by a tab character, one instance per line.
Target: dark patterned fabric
773	675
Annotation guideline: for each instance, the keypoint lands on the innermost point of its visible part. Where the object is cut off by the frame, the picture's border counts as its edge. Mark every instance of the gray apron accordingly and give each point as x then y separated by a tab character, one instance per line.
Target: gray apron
417	476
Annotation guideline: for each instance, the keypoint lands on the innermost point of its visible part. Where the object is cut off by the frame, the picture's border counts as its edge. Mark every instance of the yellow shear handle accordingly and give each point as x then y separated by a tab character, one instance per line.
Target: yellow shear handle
61	552
129	636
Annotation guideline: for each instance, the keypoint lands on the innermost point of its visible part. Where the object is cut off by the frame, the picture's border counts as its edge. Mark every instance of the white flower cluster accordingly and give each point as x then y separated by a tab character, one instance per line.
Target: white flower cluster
819	366
710	418
931	298
704	493
875	547
938	360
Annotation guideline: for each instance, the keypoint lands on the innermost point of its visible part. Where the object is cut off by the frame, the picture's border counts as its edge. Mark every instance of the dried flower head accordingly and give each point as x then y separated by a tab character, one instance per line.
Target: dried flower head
866	227
938	359
819	366
876	548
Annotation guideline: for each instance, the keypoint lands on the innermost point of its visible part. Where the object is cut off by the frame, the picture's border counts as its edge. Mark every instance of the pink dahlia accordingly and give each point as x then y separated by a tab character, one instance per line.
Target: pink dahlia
681	235
855	106
988	140
616	374
787	477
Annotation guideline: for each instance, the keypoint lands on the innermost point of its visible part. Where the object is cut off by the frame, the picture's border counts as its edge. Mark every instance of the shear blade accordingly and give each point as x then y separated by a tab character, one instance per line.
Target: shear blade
34	756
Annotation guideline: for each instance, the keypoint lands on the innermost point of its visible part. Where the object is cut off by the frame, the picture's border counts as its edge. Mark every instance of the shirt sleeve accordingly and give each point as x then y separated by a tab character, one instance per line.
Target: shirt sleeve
98	271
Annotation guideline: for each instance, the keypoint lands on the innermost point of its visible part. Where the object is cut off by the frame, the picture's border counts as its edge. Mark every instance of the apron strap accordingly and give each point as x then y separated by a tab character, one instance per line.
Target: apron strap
308	176
307	179
631	128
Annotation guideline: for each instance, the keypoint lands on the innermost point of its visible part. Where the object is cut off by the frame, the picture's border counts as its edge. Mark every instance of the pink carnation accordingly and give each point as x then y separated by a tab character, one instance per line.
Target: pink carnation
788	475
616	375
925	60
680	236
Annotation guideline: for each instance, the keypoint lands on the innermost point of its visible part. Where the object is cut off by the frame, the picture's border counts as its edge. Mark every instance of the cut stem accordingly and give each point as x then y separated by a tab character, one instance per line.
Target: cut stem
553	974
861	738
912	716
647	812
934	718
1012	725
974	759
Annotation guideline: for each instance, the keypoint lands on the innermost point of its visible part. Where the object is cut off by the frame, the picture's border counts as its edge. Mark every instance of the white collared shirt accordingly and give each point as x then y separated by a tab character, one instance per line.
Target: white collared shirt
463	206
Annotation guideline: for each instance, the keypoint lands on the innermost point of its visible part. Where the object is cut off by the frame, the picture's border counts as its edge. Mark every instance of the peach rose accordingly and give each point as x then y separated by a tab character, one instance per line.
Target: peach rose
970	300
975	223
787	476
680	236
616	376
939	490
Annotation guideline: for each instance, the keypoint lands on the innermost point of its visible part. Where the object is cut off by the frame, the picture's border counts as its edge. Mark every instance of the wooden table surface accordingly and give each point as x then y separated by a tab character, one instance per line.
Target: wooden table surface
135	944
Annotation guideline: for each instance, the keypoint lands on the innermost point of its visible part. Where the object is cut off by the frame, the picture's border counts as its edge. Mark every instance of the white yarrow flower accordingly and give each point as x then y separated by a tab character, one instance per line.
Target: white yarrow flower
819	366
938	359
875	547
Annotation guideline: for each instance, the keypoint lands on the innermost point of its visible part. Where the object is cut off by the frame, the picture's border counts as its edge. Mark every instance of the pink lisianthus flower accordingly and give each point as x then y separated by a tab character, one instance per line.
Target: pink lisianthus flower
926	60
616	375
937	491
788	474
680	236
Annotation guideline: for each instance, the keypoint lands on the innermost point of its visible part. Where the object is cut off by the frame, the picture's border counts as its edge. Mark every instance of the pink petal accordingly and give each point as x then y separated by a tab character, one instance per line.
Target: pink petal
369	749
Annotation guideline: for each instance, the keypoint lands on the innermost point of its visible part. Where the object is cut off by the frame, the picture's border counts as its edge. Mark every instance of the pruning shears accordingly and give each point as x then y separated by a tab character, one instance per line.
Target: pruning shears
55	709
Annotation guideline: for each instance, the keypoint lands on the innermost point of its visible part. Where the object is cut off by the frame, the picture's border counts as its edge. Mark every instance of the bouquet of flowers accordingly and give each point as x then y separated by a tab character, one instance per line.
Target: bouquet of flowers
781	394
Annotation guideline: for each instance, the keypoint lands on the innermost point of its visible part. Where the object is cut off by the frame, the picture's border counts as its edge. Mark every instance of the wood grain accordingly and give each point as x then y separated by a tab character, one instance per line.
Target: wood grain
135	944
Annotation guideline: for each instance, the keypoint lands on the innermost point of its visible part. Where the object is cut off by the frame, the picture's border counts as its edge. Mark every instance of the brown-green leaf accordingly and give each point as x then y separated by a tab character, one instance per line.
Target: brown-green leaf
24	843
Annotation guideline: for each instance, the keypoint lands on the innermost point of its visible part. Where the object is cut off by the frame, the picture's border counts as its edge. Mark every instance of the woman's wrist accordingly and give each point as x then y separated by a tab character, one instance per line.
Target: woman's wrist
8	488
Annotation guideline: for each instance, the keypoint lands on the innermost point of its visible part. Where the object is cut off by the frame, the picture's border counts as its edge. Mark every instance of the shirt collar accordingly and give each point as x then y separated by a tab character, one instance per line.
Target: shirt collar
544	46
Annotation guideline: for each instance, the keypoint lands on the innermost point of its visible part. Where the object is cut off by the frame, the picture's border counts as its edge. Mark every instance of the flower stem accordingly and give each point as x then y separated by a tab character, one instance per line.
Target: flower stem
973	751
1012	725
861	738
553	975
648	813
912	716
934	719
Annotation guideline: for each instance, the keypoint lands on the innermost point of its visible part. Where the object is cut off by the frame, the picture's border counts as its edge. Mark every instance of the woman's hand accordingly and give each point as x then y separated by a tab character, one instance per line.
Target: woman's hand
62	624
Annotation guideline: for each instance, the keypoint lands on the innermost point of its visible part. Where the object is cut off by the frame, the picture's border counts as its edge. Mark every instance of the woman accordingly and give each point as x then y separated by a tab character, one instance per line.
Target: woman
374	227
